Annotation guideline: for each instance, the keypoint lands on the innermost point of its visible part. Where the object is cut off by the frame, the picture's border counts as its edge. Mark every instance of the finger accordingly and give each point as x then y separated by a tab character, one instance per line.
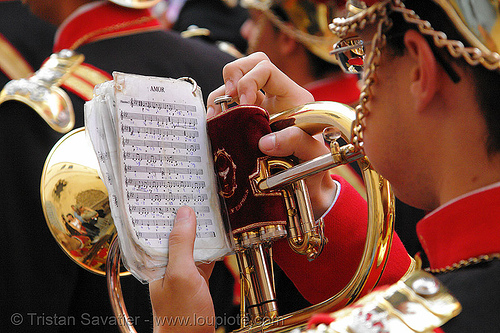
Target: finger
292	141
281	92
181	239
235	70
212	108
255	80
206	270
266	76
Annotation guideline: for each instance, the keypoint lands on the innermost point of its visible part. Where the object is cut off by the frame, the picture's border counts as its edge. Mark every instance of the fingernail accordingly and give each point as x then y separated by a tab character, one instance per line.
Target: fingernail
229	87
243	99
182	214
268	142
210	112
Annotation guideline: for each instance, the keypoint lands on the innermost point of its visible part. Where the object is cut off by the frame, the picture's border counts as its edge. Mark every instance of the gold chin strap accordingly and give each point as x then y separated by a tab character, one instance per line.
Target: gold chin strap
343	27
482	32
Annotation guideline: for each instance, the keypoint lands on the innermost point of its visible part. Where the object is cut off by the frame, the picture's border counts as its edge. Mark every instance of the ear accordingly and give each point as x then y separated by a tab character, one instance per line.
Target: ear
424	72
286	44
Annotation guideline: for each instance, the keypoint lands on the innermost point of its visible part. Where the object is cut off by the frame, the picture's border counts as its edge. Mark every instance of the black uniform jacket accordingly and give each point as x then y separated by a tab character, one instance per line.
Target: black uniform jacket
42	289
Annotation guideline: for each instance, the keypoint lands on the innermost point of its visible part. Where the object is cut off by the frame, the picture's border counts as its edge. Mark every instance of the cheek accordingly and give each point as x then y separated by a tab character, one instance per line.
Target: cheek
382	138
387	147
374	141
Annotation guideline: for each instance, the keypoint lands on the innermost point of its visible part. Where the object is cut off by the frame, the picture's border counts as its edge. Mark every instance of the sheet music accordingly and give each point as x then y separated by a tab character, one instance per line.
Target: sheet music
159	161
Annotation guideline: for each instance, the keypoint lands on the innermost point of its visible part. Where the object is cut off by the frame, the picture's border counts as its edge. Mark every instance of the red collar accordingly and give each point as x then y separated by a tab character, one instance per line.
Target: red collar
465	228
101	20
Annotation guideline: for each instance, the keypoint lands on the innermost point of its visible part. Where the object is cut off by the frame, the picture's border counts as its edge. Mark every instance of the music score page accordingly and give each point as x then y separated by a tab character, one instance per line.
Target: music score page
150	137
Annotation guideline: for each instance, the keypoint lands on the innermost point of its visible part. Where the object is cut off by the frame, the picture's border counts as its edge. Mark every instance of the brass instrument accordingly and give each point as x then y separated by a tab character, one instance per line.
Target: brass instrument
71	177
304	235
75	202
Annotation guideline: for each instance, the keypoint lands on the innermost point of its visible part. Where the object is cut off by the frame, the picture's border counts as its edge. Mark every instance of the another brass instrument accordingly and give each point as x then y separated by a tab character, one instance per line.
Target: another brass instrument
75	202
59	191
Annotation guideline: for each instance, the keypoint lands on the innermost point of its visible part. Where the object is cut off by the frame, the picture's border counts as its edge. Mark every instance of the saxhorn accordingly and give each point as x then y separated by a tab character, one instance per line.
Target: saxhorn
69	179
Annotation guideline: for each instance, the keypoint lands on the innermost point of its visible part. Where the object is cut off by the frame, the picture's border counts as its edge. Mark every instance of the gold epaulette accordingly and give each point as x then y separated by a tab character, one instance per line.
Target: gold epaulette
12	63
418	304
41	91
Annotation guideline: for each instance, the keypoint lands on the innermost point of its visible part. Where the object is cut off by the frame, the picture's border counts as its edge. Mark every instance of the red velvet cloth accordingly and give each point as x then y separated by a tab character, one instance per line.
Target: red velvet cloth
234	135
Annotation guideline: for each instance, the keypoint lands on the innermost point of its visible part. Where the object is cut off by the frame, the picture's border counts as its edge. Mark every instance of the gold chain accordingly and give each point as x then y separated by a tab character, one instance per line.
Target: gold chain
465	263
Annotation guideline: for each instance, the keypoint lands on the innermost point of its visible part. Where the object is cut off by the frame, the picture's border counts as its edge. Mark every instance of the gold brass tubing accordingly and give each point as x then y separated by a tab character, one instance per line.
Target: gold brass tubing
305	207
271	261
312	242
313	118
379	236
250	299
262	276
309	168
302	236
299	214
298	172
292	216
114	288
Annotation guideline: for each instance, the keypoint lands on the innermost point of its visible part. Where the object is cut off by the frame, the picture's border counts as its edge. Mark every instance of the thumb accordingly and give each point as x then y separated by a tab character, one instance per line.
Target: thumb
182	237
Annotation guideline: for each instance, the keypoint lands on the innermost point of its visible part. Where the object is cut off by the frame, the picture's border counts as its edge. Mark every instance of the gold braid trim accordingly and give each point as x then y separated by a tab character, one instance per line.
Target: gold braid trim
12	62
466	263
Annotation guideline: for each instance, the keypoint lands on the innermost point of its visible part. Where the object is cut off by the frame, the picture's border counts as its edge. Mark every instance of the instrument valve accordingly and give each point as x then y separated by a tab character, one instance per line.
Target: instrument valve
223	101
331	135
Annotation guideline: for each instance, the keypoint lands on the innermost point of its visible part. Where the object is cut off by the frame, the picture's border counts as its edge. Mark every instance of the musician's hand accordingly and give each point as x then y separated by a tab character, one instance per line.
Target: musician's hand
244	79
181	300
294	141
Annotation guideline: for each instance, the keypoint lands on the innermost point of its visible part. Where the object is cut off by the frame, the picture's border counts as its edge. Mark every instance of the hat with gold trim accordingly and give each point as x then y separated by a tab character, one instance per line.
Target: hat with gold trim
304	20
475	39
477	21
